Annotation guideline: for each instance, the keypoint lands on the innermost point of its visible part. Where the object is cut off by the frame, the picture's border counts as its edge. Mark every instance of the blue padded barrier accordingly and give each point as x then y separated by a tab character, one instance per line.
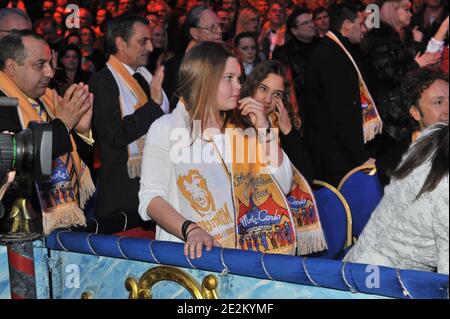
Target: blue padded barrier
304	271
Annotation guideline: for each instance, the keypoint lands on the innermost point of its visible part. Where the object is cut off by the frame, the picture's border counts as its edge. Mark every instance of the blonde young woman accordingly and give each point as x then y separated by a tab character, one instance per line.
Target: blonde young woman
194	186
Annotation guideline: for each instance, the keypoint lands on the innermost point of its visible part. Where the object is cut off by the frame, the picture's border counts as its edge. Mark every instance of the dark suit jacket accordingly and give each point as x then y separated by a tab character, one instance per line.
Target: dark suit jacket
332	107
116	191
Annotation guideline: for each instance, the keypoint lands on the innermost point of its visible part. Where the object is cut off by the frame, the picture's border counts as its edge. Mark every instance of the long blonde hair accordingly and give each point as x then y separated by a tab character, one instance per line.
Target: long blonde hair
389	14
200	75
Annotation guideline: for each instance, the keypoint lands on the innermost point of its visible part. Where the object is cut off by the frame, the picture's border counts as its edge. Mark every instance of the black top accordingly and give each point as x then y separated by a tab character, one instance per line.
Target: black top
170	84
98	59
295	148
388	59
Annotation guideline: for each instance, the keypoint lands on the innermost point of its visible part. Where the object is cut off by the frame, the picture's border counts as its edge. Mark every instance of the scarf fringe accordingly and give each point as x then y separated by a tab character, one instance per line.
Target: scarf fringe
372	129
87	187
310	241
63	217
134	167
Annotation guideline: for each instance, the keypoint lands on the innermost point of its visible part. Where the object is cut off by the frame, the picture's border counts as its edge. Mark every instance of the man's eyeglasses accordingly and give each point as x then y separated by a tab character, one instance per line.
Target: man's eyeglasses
215	28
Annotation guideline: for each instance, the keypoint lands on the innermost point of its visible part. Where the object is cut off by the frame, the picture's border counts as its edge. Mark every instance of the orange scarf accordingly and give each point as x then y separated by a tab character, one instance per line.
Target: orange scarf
372	123
266	219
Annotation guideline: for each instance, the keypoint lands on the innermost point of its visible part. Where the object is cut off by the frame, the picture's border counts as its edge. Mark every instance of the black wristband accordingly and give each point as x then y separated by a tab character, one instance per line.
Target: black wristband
184	228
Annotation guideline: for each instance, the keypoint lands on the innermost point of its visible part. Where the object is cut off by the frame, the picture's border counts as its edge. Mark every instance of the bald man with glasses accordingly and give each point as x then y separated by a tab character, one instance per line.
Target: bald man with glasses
202	25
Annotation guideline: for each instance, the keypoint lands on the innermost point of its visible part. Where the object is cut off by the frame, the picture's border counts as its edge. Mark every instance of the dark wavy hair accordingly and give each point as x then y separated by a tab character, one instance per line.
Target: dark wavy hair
411	90
259	74
64	49
121	27
347	10
433	147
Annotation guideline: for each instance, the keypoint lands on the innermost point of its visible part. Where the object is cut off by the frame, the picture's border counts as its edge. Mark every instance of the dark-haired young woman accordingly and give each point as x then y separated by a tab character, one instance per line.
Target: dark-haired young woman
268	85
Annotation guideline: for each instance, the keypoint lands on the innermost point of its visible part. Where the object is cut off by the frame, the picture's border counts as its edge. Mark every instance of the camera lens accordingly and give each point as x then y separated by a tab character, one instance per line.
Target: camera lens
7	152
25	152
16	151
29	151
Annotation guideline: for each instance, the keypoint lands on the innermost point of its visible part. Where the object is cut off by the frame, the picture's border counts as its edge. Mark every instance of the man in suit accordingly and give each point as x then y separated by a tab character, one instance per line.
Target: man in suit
128	99
25	72
332	106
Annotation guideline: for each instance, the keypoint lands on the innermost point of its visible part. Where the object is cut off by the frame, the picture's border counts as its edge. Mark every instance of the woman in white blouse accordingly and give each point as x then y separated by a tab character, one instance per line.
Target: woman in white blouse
186	184
410	227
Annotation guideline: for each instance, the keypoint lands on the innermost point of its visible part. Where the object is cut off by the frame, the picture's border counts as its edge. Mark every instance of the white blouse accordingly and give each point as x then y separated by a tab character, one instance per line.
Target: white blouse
407	233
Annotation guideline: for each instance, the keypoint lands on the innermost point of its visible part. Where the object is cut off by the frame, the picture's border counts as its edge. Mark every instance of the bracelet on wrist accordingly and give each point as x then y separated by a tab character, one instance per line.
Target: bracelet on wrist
185	227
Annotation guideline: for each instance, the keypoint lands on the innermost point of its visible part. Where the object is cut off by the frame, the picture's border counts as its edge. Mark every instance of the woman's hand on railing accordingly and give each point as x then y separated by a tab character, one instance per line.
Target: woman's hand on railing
196	239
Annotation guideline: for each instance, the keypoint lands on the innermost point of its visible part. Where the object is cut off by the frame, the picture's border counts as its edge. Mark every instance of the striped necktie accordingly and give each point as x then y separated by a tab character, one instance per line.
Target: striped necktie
40	109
